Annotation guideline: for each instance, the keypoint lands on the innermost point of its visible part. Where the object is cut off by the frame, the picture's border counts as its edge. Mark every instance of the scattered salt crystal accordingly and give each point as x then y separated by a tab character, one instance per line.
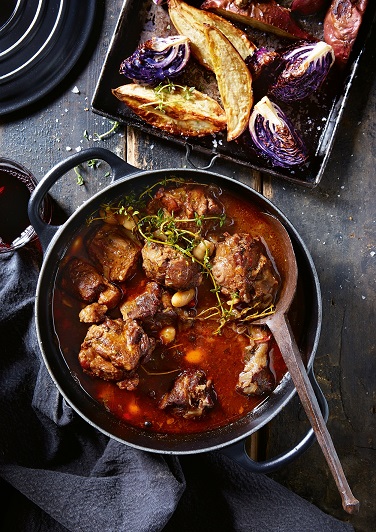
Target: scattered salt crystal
363	297
68	148
373	253
79	148
76	90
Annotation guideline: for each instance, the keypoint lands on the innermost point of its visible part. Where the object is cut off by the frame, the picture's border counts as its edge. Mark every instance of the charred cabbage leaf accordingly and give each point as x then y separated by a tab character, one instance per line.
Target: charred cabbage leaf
157	59
305	68
274	135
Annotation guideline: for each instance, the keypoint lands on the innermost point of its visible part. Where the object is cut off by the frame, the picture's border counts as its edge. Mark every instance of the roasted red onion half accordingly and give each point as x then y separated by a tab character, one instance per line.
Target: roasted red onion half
157	59
261	60
275	136
305	68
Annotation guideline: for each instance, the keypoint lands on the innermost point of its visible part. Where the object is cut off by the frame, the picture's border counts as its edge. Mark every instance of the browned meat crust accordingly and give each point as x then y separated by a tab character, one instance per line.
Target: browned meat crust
170	267
93	313
152	307
242	267
114	251
144	305
186	203
84	281
113	348
191	394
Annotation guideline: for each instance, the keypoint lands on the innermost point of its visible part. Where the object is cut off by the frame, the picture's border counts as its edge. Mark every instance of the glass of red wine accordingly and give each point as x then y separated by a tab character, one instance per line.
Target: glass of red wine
16	186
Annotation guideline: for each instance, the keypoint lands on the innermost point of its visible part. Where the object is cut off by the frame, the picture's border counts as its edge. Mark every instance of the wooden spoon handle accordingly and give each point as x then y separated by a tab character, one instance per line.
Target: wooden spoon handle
281	330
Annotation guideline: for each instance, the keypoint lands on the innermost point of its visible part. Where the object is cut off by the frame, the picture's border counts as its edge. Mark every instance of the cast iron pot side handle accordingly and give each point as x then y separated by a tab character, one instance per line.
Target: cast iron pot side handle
238	453
46	231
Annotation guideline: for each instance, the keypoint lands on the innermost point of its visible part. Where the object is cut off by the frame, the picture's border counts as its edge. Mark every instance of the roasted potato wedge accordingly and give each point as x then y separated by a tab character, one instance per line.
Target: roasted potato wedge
177	110
191	22
265	16
234	81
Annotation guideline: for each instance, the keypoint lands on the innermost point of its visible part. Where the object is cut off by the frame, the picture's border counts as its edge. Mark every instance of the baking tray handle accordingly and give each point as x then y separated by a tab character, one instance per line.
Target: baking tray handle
188	153
46	231
238	453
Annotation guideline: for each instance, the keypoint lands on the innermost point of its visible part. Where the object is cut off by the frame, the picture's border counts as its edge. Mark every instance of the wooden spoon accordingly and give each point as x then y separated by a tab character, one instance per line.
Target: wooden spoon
279	326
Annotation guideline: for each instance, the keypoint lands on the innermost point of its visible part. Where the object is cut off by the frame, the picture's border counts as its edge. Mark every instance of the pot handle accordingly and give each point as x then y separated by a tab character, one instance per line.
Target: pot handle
238	453
46	231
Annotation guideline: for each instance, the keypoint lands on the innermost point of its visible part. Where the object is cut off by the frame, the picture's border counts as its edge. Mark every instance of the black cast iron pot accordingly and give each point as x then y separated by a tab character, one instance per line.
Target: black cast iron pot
229	439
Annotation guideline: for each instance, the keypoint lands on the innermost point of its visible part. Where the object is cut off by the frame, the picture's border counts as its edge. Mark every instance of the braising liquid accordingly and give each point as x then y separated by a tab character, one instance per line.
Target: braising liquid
220	356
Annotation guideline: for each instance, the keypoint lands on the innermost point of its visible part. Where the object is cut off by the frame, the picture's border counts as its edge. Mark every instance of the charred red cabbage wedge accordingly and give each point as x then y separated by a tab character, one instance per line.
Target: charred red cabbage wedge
306	67
274	135
157	59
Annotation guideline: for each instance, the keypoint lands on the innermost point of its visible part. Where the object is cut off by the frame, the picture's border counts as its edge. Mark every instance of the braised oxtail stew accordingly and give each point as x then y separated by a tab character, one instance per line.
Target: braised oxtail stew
154	304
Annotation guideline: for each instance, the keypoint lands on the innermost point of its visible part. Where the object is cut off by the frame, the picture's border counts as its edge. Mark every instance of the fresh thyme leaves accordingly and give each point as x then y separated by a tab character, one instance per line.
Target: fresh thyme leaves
79	178
108	133
128	207
185	235
164	90
162	183
93	163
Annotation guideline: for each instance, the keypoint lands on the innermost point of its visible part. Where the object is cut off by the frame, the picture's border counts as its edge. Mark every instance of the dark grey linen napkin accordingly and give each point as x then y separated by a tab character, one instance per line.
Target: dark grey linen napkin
58	473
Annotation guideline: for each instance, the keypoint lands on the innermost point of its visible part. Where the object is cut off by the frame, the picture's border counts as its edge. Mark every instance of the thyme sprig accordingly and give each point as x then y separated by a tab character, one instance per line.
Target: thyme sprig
167	230
183	235
79	177
165	89
102	136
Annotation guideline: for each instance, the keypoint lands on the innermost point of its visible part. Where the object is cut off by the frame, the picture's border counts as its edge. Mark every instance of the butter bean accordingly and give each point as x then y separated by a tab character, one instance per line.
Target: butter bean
199	251
180	299
167	334
108	216
126	221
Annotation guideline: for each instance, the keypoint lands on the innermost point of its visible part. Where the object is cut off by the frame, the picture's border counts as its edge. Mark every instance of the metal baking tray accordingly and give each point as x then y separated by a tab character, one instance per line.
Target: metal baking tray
317	117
